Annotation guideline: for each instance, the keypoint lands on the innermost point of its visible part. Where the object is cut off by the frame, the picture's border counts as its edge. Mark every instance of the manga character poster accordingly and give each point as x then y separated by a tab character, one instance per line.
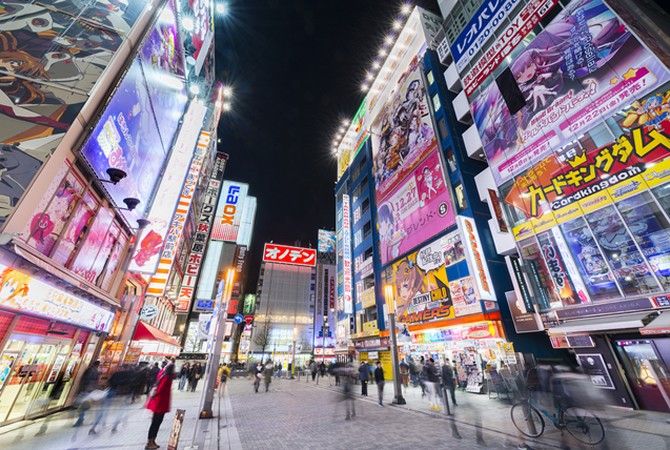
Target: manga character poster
402	134
51	56
421	288
577	72
464	297
418	209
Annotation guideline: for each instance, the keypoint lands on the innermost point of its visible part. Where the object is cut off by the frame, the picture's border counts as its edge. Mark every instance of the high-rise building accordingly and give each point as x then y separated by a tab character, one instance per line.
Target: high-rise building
567	103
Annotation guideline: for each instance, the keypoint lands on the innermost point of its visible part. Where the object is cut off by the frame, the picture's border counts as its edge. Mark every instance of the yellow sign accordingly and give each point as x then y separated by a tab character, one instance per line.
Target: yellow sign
595	201
343	161
568	213
658	173
543	223
628	188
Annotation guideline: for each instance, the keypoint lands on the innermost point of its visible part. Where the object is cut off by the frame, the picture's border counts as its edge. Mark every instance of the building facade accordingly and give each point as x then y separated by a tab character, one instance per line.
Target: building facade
567	104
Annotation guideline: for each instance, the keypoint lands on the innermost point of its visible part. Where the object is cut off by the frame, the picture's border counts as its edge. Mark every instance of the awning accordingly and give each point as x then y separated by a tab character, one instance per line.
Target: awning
660	325
630	321
146	332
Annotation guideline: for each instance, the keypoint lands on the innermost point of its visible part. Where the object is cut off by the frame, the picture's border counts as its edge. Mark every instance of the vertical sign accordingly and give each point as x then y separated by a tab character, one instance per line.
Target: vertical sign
160	278
229	211
346	257
476	259
201	237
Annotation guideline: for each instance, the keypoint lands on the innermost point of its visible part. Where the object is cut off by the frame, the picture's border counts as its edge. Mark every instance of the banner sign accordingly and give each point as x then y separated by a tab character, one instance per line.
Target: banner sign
173	238
507	41
569	85
289	255
326	241
524	322
346	256
420	285
229	211
464	297
202	231
417	210
476	259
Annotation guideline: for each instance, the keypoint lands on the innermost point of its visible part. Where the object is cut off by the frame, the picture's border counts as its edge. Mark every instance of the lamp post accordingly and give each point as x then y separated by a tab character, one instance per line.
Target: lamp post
390	307
295	338
215	348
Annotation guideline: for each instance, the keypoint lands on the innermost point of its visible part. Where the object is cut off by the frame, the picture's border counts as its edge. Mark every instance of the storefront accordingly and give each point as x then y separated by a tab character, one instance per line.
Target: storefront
154	344
46	335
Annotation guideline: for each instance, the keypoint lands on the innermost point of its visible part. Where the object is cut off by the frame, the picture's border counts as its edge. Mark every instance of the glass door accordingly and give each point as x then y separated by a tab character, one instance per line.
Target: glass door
647	374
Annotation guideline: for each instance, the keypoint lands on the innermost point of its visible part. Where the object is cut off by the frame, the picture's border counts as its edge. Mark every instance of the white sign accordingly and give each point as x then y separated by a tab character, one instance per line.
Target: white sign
346	257
229	211
474	254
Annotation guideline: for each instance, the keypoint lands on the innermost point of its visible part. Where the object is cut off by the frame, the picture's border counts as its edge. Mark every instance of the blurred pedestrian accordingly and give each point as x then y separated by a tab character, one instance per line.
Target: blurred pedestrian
448	383
258	374
159	402
404	373
347	376
364	376
312	369
151	377
183	375
413	372
223	375
194	375
267	375
432	381
379	381
89	383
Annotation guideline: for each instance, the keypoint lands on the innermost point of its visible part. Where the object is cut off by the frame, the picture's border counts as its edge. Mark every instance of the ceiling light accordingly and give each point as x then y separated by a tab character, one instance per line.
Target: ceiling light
227	106
397	25
227	91
376	65
346	122
364	87
369	77
406	9
382	52
388	40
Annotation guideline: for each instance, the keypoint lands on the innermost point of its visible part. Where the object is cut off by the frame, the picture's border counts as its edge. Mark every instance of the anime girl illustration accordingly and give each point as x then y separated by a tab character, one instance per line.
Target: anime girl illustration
408	283
13	287
390	231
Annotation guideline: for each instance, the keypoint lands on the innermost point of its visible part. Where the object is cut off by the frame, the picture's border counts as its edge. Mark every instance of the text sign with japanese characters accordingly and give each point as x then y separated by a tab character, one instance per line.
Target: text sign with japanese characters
289	255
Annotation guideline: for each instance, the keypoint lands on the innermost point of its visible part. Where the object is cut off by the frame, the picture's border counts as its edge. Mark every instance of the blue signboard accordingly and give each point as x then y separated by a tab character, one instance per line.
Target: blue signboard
238	319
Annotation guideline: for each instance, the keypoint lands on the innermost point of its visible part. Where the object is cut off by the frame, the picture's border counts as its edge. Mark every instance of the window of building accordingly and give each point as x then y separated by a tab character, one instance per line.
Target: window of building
367	230
442	128
365	205
368	253
430	77
436	102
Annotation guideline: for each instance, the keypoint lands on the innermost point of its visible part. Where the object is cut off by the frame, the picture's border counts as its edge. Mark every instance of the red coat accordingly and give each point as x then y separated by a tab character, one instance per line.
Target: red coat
160	402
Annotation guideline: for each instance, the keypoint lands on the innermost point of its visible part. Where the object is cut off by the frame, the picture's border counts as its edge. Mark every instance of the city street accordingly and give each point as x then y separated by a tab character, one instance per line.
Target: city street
303	415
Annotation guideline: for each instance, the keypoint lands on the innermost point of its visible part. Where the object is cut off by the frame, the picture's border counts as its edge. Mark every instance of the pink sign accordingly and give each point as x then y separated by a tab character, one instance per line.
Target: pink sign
417	210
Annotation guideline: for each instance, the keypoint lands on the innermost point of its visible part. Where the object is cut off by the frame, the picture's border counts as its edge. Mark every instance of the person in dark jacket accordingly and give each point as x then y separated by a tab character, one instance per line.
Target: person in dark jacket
89	383
379	381
183	375
151	377
432	381
364	375
159	403
448	381
194	375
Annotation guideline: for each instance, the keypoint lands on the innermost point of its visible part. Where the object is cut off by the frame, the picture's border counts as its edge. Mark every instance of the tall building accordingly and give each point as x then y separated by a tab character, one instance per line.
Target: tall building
283	326
102	134
409	219
567	103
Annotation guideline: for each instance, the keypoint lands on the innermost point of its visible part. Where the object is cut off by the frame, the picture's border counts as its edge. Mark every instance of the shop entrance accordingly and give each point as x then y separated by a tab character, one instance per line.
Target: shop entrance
647	373
35	375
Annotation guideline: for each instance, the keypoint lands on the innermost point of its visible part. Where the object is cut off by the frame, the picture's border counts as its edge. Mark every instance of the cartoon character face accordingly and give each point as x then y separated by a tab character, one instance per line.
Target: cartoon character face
13	284
527	74
408	280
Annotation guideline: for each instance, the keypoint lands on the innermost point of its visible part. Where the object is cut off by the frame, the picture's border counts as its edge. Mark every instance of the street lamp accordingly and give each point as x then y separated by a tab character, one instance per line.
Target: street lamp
215	347
295	338
390	307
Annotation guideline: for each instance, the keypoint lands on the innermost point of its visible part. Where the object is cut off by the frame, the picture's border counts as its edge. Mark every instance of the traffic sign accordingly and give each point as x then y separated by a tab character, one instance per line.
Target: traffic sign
238	319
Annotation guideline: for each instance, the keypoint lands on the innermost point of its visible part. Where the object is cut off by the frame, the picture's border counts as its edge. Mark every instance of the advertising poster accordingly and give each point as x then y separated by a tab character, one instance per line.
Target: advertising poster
326	241
464	297
452	245
417	210
594	366
229	211
126	137
420	285
57	59
524	322
575	73
198	40
402	134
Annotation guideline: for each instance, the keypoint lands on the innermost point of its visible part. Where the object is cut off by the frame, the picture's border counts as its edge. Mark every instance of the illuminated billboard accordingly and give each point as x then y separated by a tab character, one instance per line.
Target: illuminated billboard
152	237
22	292
347	300
420	285
289	255
474	255
418	209
326	241
561	89
402	133
229	211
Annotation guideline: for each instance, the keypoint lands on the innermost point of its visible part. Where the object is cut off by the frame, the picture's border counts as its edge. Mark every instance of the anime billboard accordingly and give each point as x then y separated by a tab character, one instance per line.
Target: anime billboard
417	210
50	60
420	285
573	75
402	134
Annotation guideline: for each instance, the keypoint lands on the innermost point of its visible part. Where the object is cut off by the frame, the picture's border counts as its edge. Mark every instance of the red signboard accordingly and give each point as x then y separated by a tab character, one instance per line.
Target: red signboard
289	255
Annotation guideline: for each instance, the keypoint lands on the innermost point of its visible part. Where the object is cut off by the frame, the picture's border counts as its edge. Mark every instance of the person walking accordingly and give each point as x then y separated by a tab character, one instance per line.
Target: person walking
258	374
151	377
347	376
312	369
364	375
431	382
223	375
183	375
379	381
159	402
267	375
448	381
89	383
404	373
194	376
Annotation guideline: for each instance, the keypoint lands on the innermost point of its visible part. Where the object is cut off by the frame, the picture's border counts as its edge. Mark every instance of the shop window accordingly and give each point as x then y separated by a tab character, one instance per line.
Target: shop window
651	229
430	77
76	229
566	281
436	102
590	261
628	265
539	275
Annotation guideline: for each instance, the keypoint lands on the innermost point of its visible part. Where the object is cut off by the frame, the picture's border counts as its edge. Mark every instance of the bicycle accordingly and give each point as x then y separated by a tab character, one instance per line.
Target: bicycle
582	424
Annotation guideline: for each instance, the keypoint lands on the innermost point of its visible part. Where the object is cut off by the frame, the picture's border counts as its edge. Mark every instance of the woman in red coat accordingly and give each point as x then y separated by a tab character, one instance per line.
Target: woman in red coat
159	402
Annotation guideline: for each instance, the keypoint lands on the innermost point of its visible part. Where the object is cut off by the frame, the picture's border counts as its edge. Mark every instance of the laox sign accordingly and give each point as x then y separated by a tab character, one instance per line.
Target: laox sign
230	207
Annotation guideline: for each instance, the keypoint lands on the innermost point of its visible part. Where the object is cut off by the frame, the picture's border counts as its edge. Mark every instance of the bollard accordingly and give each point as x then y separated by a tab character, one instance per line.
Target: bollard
447	410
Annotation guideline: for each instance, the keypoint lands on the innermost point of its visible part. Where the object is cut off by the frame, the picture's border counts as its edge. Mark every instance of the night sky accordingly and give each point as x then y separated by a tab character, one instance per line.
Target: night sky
296	67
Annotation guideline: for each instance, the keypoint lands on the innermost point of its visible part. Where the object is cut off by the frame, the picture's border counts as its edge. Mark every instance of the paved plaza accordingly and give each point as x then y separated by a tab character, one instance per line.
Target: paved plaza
303	415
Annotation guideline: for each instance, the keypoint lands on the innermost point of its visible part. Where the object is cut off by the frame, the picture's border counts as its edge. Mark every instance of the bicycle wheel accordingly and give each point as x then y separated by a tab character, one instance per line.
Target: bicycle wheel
583	425
527	419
